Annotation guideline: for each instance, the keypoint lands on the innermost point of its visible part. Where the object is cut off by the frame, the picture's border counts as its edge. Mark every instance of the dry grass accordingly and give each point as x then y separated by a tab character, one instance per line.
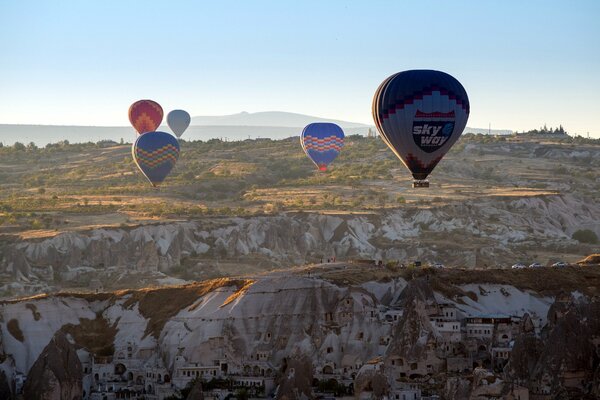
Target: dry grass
240	292
158	305
544	281
233	169
592	259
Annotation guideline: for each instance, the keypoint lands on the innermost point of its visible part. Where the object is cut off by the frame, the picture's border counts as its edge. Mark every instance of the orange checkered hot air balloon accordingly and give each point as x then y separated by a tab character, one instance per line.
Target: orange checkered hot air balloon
145	116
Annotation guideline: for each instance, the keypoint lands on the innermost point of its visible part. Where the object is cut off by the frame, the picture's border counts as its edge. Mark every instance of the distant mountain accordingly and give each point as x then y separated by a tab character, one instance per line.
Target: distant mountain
269	118
486	131
44	134
240	126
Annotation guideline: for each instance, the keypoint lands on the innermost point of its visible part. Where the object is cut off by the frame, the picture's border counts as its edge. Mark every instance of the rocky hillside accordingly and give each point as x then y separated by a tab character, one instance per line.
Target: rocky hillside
310	313
473	234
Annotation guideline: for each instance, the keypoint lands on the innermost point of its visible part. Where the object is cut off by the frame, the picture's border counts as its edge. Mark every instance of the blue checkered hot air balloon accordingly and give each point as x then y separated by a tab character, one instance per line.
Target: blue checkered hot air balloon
155	154
322	143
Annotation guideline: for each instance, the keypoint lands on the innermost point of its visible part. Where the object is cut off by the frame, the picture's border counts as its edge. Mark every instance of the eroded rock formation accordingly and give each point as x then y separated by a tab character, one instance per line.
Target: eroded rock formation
57	373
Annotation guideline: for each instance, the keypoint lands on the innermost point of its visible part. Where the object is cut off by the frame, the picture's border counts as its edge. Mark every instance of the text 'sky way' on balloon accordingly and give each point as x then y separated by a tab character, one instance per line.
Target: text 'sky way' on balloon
322	143
145	116
178	121
420	114
155	154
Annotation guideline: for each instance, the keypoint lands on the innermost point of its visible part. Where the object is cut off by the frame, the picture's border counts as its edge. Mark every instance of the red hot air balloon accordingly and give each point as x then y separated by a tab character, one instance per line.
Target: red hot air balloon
145	116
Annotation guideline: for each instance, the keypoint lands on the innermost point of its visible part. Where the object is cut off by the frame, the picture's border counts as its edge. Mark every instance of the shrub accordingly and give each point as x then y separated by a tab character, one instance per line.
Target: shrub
585	236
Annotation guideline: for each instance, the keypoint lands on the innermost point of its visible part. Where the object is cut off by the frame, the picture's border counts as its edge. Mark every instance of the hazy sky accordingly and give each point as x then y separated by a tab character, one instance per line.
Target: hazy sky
523	63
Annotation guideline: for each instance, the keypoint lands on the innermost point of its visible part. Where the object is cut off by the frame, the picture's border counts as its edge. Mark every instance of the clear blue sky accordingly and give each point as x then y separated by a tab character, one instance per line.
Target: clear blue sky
523	63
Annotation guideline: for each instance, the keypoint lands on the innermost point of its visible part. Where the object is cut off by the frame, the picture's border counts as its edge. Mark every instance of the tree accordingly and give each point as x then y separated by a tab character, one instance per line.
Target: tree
585	236
242	394
19	146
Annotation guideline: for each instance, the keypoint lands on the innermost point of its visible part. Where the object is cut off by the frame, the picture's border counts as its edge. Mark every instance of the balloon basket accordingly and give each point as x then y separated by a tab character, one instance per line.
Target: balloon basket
420	184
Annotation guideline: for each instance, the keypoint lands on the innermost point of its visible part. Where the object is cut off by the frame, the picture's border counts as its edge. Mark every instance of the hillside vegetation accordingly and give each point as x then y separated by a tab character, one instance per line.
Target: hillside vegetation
79	186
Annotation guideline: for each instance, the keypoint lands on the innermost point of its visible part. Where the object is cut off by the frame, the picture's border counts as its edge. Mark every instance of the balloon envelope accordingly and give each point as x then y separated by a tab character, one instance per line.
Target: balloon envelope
145	116
178	121
420	114
322	143
155	154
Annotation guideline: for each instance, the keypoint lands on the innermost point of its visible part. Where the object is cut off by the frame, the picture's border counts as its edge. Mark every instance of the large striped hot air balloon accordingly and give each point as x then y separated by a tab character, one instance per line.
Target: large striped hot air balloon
155	154
420	114
322	143
145	116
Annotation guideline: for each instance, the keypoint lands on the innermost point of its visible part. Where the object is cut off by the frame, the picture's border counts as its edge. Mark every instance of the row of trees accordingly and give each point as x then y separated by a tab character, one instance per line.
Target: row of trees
544	130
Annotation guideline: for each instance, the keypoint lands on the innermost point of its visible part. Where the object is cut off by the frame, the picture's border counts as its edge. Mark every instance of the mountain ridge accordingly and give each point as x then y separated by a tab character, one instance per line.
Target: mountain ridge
269	118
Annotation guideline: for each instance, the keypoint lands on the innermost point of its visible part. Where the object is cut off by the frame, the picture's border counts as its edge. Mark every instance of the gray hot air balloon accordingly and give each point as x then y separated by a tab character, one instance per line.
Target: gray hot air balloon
178	121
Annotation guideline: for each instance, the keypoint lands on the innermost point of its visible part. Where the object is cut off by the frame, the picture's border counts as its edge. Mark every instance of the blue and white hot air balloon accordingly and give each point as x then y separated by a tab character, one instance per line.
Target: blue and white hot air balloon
322	143
420	114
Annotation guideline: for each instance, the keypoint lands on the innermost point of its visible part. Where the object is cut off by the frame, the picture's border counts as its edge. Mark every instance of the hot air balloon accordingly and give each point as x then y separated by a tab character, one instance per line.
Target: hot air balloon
322	142
178	121
145	116
155	154
420	114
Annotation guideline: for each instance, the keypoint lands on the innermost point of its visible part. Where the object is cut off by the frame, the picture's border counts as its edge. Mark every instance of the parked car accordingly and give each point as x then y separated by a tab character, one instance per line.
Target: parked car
560	264
518	266
536	265
437	265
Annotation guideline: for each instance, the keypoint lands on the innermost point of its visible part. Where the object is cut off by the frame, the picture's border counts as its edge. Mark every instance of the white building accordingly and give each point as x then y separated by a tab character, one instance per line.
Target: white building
480	331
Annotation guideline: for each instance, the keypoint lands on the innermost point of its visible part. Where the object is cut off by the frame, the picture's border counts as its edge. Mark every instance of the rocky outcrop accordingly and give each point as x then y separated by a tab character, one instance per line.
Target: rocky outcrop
295	238
413	334
15	262
564	357
417	290
457	388
5	392
296	379
57	373
373	380
569	345
524	357
196	392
